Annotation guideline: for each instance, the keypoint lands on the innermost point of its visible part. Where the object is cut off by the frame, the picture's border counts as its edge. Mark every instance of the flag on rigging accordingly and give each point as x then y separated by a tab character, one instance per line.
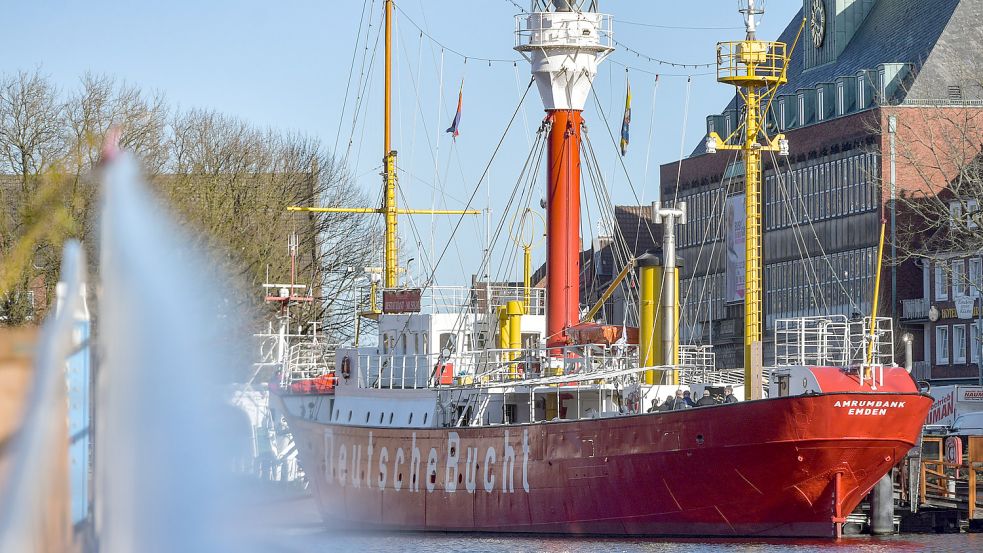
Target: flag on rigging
627	119
457	116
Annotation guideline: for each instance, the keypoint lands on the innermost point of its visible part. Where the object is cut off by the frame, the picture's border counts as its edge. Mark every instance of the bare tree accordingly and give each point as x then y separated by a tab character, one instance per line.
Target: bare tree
31	125
230	181
940	176
235	182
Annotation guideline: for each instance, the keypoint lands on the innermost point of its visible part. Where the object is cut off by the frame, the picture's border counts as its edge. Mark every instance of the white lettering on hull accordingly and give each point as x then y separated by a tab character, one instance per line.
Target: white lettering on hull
343	464
868	408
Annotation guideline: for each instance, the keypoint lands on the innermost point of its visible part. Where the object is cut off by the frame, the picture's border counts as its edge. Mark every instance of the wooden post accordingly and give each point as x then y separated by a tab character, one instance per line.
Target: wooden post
972	491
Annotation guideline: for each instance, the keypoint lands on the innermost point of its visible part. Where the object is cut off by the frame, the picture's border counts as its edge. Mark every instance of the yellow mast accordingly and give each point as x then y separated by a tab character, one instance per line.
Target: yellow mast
389	207
756	68
389	161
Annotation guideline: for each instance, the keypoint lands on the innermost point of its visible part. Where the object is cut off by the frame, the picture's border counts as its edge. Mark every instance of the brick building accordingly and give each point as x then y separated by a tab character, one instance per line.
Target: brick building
879	72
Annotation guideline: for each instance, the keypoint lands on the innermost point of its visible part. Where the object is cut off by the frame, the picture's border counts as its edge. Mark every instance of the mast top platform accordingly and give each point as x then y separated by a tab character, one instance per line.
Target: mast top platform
751	63
564	41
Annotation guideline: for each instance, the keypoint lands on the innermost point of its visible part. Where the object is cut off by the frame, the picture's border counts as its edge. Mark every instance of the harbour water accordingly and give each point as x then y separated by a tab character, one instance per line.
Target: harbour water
314	540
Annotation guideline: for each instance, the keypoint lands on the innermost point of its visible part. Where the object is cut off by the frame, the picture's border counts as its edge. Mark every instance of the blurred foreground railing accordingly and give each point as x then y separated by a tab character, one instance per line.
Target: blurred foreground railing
33	505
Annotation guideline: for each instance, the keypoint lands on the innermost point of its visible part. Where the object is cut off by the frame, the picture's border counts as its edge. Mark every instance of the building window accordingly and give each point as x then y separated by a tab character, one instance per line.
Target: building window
882	85
819	104
975	272
802	109
840	99
958	279
955	213
972	208
781	114
941	345
727	125
974	344
861	103
941	288
959	344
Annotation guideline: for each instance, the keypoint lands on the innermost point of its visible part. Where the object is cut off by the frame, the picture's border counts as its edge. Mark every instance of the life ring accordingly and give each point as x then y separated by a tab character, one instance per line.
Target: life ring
346	367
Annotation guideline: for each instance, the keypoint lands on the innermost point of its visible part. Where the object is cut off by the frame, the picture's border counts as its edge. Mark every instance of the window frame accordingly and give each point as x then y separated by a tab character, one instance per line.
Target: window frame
941	282
974	342
942	345
959	350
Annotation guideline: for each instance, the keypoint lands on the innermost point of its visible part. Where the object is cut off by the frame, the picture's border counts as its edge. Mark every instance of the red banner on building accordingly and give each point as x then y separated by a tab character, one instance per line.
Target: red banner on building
401	301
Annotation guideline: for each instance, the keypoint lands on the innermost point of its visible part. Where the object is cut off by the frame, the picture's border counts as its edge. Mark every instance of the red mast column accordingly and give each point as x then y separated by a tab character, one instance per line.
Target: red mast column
563	225
564	42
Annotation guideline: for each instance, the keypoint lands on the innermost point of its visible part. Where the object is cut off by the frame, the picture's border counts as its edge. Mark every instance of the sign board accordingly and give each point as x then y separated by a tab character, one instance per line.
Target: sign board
401	301
964	306
735	217
971	393
952	401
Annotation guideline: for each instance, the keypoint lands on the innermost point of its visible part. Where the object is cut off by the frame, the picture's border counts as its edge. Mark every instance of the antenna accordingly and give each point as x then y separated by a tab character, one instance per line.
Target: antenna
750	8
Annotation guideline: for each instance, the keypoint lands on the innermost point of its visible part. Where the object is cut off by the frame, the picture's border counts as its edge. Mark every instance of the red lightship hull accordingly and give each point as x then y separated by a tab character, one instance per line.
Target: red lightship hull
788	467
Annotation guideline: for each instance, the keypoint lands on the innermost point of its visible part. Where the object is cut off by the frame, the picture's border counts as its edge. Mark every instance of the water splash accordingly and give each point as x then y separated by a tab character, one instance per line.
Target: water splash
164	437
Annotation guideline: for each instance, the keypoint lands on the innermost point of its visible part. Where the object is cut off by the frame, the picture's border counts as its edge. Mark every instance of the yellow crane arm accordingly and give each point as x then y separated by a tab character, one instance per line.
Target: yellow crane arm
610	290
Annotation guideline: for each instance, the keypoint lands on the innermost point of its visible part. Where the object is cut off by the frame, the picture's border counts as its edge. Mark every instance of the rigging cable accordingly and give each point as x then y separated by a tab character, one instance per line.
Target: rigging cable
351	70
474	192
449	49
799	238
822	250
682	140
624	168
648	151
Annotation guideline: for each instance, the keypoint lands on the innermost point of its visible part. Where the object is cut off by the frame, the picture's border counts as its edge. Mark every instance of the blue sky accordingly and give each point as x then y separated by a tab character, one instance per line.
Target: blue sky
285	64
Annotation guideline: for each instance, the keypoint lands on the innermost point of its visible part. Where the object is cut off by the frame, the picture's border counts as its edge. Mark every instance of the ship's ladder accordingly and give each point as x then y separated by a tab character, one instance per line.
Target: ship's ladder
479	413
468	404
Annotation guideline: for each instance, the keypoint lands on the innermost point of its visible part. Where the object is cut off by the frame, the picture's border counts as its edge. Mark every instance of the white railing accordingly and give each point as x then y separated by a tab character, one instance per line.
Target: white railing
915	309
700	357
833	341
306	360
575	29
489	366
883	342
812	341
29	491
463	299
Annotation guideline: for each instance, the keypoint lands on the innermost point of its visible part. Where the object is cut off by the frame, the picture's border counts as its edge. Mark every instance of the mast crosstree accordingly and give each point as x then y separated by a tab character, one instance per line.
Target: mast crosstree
390	209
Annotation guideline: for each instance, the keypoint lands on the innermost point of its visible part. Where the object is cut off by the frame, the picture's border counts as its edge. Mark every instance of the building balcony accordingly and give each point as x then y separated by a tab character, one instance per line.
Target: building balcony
921	370
914	309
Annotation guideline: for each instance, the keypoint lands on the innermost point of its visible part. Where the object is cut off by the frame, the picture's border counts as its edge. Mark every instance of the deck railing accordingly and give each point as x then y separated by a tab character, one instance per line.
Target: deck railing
948	483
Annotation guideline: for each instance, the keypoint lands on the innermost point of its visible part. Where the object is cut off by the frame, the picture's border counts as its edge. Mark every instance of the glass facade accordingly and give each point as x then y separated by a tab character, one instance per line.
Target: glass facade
704	211
840	284
824	190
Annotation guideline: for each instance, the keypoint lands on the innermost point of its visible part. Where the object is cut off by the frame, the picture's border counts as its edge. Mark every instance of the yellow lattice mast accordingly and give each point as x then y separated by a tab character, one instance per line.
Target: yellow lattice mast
389	207
757	68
